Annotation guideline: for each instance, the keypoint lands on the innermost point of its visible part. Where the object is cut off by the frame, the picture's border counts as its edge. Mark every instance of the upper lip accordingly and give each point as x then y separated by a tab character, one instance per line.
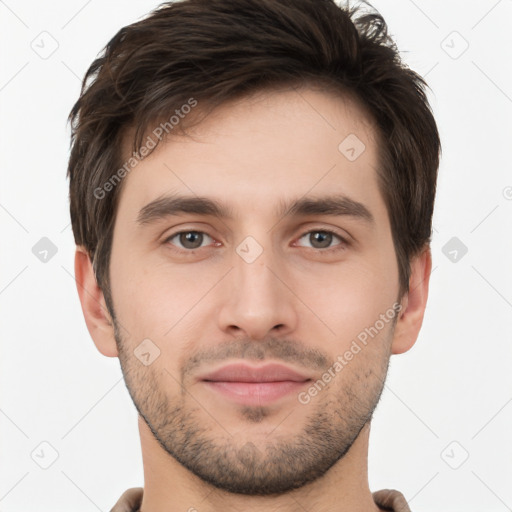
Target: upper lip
239	372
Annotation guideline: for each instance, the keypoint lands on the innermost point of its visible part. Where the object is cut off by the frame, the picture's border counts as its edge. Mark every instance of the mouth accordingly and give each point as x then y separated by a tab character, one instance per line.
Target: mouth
251	385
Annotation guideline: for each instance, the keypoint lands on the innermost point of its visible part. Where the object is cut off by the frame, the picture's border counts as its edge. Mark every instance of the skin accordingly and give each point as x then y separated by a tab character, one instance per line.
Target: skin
295	304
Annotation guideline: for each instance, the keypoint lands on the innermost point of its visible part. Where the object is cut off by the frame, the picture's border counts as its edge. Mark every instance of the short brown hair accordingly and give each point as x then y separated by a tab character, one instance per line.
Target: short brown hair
219	50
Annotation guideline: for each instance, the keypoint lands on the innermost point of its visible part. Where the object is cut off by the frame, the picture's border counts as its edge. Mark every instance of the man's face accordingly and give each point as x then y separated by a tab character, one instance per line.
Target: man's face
262	285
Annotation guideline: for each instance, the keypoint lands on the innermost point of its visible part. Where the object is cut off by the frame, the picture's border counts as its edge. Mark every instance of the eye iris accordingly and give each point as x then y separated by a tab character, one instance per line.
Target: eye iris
323	237
191	236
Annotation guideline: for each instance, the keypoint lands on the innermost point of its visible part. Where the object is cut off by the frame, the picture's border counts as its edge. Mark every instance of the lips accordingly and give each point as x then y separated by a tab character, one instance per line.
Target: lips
238	372
255	385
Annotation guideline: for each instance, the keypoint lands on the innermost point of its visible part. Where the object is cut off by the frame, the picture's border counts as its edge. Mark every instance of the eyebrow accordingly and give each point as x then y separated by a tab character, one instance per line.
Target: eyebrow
331	205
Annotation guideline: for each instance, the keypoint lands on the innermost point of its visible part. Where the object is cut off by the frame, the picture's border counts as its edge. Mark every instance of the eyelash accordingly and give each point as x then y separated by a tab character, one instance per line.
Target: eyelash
344	243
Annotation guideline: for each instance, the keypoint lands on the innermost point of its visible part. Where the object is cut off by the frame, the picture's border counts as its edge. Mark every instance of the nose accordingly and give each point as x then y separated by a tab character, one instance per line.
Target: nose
259	300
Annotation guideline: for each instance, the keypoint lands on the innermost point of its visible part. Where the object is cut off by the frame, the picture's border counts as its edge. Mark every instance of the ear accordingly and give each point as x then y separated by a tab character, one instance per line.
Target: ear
97	318
410	318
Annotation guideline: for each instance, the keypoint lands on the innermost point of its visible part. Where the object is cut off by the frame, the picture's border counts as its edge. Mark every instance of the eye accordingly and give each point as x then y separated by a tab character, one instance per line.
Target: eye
322	239
188	239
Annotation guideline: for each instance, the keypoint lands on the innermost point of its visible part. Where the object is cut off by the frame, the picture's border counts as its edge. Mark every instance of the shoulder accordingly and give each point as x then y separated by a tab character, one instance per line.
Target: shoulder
391	499
129	501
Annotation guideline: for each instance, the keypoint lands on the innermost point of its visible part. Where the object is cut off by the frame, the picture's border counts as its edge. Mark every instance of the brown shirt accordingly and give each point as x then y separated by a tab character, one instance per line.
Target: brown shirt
386	499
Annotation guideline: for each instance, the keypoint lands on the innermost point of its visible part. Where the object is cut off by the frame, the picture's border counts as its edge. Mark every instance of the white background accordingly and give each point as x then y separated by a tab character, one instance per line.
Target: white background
448	398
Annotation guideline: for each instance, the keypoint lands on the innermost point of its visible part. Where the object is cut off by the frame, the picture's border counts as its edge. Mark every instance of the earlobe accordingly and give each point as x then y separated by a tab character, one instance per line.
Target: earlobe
96	315
414	302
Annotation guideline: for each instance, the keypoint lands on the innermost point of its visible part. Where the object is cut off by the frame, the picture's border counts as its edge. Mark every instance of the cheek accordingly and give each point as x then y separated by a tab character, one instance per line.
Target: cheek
350	299
153	300
134	296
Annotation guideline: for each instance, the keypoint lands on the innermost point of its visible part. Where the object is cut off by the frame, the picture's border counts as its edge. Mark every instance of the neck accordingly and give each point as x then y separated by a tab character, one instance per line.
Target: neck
170	487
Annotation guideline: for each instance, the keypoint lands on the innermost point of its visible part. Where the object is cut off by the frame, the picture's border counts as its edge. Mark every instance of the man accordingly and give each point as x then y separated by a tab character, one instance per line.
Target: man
252	185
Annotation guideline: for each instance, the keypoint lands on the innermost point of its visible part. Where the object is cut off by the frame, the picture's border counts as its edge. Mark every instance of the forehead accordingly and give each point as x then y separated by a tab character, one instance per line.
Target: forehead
261	151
